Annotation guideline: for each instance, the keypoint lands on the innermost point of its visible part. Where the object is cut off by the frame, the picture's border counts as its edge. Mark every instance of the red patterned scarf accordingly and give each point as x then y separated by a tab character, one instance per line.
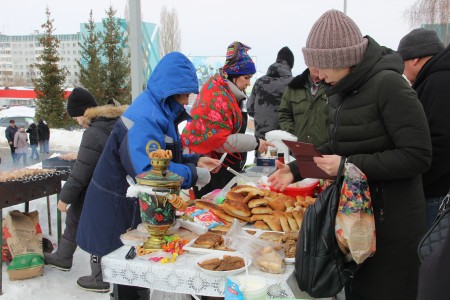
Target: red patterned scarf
216	115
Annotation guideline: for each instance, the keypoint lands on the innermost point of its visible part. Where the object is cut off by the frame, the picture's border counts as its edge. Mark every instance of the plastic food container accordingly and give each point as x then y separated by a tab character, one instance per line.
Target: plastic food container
305	187
253	287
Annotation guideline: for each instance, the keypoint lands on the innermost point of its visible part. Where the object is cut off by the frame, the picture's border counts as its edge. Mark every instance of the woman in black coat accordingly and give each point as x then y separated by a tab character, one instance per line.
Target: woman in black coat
378	124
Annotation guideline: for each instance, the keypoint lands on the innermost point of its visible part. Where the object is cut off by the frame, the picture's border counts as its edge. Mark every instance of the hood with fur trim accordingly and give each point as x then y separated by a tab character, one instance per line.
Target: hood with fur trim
105	111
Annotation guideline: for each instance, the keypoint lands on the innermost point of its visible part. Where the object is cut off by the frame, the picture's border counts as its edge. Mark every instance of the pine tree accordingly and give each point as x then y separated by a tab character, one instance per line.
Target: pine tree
116	68
90	63
49	87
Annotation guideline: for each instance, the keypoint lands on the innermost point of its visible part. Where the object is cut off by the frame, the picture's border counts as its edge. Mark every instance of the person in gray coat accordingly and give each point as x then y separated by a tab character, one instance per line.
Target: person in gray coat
265	98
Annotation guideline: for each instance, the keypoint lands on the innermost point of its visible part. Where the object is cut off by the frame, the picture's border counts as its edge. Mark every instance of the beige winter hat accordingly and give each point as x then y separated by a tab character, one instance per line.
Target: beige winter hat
334	41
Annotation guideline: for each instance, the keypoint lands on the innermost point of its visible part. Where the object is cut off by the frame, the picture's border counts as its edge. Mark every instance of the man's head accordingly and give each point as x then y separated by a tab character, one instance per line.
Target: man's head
416	48
78	101
285	54
420	42
12	123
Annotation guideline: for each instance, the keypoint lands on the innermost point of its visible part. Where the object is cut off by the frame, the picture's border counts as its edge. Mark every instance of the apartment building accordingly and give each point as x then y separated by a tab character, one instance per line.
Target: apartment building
18	54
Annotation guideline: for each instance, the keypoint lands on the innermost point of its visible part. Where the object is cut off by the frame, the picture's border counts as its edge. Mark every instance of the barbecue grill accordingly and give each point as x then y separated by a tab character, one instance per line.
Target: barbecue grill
25	189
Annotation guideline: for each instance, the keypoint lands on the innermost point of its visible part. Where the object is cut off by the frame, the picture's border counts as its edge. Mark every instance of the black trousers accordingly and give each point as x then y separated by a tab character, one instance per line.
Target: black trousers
13	152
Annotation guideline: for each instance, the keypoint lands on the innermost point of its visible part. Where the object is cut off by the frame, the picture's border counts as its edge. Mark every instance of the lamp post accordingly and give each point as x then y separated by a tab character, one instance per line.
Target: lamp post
135	41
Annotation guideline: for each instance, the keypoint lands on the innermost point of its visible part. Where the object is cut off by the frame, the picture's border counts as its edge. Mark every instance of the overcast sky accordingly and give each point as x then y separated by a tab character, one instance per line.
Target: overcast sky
208	27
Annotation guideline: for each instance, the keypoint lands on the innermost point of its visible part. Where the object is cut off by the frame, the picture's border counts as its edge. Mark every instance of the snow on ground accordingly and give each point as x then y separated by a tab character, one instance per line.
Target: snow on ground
53	284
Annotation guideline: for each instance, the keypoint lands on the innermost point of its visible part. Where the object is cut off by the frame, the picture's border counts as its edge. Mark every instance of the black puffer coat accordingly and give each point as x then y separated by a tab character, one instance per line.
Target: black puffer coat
33	132
433	88
377	122
101	120
44	130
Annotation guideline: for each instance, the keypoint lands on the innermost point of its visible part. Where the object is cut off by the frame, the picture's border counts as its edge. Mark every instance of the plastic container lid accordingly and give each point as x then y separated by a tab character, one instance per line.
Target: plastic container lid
253	287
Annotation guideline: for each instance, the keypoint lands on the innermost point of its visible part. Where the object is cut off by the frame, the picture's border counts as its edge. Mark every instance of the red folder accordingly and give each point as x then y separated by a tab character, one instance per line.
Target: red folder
304	154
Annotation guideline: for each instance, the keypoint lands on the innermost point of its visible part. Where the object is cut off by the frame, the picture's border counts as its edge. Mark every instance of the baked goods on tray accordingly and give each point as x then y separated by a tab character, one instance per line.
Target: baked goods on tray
227	263
211	241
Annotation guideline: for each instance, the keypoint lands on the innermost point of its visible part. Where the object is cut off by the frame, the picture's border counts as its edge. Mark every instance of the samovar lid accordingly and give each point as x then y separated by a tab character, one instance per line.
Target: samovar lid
160	176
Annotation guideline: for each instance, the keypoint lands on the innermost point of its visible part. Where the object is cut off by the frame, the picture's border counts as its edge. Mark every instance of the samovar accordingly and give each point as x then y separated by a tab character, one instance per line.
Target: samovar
157	214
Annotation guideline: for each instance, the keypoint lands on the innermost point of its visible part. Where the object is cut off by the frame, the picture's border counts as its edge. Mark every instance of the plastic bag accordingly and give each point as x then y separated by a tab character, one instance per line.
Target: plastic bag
355	223
160	295
266	256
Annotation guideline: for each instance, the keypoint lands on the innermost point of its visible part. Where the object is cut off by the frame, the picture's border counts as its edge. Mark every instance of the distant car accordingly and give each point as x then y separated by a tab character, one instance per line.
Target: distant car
20	121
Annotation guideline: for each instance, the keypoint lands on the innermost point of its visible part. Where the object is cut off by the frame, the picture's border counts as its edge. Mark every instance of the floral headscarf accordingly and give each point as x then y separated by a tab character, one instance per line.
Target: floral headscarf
238	62
215	115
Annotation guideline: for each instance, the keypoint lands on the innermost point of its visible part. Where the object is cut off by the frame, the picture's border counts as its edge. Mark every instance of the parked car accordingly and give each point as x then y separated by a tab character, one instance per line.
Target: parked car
20	121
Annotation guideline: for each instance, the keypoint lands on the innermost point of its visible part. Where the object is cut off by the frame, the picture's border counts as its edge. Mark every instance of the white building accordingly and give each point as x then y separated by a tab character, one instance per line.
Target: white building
18	54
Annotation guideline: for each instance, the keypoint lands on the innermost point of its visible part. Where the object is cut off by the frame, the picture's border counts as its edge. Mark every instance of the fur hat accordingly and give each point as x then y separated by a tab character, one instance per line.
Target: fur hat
419	43
238	62
78	101
334	41
286	54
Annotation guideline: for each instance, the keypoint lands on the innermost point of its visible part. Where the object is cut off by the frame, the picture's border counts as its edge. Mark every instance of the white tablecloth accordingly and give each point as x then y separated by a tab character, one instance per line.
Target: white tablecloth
184	277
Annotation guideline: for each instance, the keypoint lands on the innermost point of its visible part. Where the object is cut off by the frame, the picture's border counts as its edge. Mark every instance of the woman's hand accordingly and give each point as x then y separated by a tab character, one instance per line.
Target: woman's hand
282	177
62	206
209	164
264	145
328	163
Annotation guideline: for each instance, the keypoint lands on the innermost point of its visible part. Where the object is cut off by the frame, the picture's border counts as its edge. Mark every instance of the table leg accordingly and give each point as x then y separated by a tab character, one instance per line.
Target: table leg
27	206
49	217
58	219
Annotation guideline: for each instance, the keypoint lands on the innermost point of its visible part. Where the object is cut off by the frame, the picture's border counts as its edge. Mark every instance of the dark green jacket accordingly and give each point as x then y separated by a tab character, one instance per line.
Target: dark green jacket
302	114
377	122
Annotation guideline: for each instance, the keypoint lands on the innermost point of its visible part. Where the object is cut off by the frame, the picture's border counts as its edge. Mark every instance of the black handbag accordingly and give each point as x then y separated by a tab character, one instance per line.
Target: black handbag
438	231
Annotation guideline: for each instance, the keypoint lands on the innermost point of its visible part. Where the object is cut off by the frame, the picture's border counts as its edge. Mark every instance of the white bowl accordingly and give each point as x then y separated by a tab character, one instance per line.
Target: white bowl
248	262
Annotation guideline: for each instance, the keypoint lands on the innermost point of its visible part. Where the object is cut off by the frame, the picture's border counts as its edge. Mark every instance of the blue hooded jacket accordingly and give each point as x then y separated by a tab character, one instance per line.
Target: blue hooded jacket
150	123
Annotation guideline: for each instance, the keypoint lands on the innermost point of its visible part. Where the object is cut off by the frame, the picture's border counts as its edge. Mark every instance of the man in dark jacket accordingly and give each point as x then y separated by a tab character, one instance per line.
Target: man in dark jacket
427	67
303	109
10	132
98	121
33	132
44	138
265	98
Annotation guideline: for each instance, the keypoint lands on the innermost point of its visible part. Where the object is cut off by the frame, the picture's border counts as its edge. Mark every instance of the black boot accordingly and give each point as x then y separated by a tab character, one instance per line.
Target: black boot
63	257
94	282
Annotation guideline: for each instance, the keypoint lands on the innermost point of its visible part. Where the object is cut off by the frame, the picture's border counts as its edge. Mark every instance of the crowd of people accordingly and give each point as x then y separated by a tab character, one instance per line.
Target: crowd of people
382	110
19	141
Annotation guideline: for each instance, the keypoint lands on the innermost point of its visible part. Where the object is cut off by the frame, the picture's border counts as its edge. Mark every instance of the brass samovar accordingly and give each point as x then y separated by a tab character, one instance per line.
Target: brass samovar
157	214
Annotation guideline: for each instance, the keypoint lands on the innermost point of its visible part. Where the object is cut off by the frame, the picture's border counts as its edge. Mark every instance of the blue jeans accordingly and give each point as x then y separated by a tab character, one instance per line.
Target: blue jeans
43	146
34	151
24	155
432	209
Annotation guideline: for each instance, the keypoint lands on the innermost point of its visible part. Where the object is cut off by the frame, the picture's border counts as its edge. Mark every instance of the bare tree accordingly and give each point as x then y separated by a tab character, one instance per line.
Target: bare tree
169	32
431	12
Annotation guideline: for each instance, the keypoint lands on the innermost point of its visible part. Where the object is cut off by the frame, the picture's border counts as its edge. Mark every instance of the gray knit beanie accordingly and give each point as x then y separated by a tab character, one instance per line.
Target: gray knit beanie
420	42
334	41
